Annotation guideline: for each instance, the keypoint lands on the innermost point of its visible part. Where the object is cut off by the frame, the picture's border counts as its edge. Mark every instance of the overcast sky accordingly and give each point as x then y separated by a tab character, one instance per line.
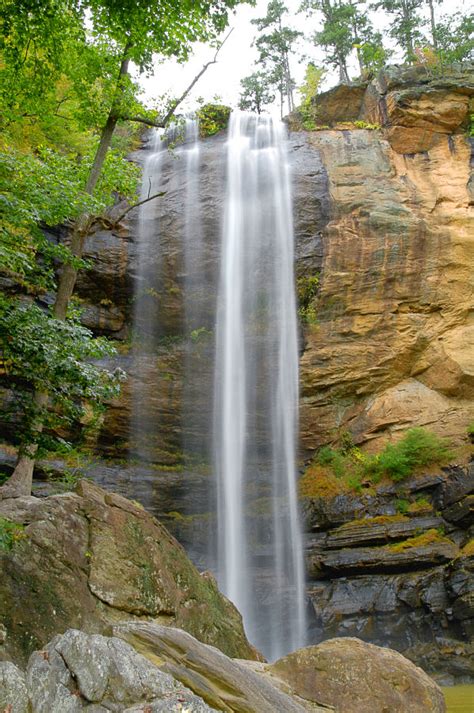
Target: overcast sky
238	58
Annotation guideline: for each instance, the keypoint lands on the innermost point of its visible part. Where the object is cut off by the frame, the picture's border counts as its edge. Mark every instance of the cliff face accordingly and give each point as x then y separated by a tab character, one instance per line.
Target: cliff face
385	218
393	346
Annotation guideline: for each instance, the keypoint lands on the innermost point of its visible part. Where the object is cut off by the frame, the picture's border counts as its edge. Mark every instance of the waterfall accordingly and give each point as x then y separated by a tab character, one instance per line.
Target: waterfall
260	557
146	315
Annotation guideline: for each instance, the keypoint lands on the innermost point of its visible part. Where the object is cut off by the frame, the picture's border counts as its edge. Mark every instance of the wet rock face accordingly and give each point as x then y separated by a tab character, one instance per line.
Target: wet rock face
386	225
402	580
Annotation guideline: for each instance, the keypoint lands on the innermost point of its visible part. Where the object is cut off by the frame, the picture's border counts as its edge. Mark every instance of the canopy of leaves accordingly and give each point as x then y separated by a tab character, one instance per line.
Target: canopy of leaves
46	189
40	353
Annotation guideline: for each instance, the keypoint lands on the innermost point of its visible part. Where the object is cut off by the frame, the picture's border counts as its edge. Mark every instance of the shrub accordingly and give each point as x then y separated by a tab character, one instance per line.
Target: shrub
307	288
10	534
212	119
417	448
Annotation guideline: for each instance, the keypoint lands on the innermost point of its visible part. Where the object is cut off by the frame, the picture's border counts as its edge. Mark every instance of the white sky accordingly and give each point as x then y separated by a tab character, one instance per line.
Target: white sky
238	58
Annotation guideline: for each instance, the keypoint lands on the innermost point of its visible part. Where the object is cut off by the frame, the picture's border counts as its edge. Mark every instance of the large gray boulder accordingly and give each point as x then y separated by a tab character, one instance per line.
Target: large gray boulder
79	671
223	683
13	693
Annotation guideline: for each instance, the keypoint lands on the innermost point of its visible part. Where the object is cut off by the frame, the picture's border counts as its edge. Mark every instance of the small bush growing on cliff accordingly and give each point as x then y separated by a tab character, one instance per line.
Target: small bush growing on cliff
212	119
307	288
349	468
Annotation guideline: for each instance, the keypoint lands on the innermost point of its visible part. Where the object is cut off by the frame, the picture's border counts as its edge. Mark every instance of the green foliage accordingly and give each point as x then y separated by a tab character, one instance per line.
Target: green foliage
43	354
372	54
406	23
68	480
366	125
212	119
470	429
308	91
402	506
307	288
256	92
275	43
345	27
455	39
45	189
10	534
200	334
417	448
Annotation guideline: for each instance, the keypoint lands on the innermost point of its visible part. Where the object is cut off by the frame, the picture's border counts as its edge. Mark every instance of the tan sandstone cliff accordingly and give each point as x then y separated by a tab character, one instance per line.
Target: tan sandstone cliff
393	345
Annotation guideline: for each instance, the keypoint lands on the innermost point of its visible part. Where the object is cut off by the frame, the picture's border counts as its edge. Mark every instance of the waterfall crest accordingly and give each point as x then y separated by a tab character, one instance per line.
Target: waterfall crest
260	553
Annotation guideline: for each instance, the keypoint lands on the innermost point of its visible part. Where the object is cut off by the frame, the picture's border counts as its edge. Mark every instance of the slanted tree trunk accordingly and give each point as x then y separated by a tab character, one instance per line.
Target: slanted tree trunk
22	478
21	481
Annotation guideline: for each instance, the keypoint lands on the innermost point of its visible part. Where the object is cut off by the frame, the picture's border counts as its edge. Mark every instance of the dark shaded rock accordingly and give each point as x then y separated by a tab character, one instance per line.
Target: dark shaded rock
370	532
451	655
461	587
342	103
461	513
382	559
324	513
458	484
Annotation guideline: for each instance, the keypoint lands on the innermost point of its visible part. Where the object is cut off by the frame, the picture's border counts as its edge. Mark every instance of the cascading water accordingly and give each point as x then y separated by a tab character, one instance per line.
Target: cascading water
260	558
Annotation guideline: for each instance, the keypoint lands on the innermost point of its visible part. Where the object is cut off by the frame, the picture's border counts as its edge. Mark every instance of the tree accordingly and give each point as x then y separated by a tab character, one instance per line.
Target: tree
344	28
135	29
308	91
405	25
455	38
255	92
274	47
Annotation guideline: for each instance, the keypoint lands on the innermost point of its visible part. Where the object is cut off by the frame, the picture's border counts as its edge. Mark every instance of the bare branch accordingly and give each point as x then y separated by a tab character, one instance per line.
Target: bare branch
162	123
136	205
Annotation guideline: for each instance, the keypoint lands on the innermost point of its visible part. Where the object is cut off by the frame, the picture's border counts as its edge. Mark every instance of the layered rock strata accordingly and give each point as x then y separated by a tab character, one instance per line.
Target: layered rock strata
402	580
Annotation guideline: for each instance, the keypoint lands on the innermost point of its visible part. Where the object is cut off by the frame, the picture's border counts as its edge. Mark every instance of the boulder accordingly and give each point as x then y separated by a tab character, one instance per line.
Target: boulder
225	684
13	691
90	558
353	676
339	104
79	671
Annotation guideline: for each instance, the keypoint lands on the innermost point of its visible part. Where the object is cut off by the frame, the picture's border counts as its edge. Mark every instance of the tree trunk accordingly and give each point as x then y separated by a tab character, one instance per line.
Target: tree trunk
21	481
433	24
408	33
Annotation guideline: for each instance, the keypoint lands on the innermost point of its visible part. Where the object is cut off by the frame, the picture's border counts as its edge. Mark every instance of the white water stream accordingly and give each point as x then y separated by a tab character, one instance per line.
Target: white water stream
260	558
259	551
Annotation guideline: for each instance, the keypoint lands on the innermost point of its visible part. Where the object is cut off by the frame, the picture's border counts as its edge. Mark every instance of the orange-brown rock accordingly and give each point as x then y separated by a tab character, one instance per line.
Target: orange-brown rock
352	676
393	344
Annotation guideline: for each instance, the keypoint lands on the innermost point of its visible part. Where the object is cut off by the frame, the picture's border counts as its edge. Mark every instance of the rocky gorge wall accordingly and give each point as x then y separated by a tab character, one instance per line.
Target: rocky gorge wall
383	217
